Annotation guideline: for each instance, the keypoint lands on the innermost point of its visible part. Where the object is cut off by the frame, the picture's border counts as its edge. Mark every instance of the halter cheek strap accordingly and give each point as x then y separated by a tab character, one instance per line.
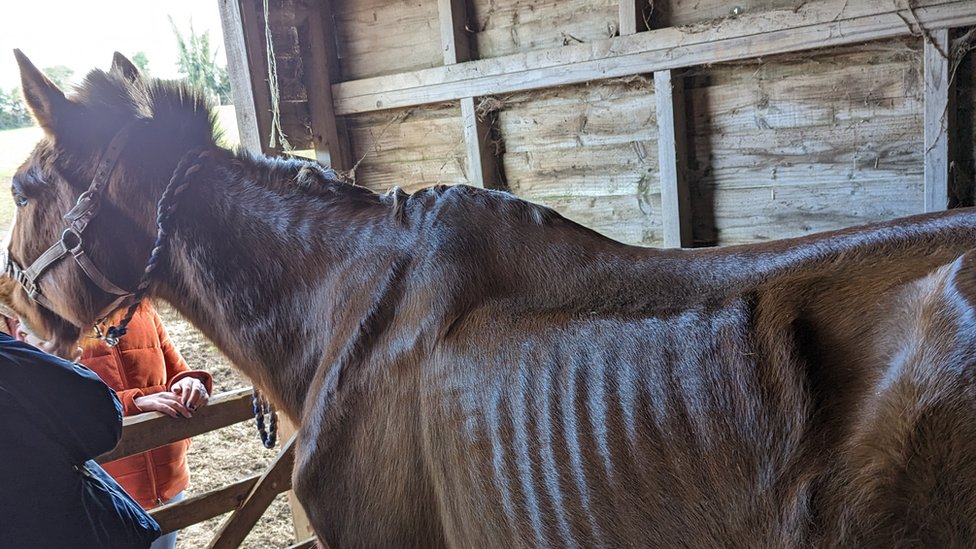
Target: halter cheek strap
71	240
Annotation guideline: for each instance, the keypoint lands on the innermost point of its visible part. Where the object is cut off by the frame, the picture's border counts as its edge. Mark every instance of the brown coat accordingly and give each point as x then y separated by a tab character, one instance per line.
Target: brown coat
145	362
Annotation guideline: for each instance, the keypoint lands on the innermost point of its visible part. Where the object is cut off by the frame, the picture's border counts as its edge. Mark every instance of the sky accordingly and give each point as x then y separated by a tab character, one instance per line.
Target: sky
82	35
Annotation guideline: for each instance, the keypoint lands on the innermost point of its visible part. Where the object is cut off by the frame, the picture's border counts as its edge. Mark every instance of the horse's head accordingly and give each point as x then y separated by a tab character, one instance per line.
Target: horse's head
85	198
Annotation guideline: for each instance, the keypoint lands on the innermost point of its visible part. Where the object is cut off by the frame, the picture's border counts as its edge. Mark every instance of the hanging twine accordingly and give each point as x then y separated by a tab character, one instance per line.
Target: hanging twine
276	132
189	164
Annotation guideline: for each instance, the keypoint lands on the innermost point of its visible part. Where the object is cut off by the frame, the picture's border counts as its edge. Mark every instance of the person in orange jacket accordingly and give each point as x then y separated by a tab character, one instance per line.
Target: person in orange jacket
148	374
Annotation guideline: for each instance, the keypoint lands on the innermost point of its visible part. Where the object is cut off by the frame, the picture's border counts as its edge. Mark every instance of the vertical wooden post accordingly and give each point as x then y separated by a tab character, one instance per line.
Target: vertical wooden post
937	120
672	154
482	162
241	86
328	132
631	17
672	158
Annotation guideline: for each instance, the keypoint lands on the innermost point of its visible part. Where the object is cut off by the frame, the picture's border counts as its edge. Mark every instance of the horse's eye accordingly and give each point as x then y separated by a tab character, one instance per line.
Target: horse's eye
20	200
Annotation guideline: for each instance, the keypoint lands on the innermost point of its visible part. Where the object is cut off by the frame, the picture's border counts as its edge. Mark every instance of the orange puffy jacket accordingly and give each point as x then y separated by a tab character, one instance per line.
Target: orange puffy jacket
145	362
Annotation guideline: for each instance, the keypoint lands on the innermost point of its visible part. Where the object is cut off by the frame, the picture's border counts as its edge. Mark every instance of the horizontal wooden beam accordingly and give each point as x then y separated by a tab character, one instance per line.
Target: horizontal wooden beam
814	25
147	431
203	507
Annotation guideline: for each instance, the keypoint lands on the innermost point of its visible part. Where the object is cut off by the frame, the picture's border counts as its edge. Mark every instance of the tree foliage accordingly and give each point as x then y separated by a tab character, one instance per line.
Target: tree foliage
60	75
13	111
198	61
141	62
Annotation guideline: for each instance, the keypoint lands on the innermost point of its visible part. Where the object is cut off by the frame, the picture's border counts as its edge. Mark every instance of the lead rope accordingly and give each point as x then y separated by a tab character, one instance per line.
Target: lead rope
188	165
261	407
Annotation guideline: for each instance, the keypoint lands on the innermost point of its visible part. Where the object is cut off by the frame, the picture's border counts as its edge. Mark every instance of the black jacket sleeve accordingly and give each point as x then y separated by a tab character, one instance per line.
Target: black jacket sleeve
68	402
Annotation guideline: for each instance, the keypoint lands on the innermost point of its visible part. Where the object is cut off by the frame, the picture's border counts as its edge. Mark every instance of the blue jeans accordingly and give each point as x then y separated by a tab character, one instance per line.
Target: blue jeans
169	540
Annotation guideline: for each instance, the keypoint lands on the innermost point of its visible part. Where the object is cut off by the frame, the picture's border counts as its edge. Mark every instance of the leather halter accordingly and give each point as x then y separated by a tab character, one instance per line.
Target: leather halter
71	240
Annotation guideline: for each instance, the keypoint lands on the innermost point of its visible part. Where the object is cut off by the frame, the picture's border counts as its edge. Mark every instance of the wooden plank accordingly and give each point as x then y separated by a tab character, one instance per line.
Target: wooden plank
152	429
504	27
455	41
240	76
378	37
307	544
274	481
631	17
303	527
937	94
203	507
814	25
672	160
329	135
483	165
672	152
252	21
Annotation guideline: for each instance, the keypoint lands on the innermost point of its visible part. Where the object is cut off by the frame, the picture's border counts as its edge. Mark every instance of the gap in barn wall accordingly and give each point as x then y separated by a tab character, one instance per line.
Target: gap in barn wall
962	181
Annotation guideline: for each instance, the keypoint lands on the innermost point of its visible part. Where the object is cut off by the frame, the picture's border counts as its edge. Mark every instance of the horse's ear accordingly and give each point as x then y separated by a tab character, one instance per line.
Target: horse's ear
122	67
45	100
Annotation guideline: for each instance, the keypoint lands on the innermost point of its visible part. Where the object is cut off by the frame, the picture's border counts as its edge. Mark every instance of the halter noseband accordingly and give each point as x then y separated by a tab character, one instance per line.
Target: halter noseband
71	240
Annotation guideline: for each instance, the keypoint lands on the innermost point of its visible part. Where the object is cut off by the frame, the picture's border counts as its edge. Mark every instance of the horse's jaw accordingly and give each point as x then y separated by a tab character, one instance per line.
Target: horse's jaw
44	329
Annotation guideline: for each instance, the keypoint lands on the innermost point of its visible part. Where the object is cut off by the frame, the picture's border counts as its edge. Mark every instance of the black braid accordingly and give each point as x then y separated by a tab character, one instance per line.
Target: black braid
261	406
188	165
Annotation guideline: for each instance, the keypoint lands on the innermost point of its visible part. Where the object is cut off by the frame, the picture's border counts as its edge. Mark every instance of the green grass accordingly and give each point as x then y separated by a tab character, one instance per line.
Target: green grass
16	146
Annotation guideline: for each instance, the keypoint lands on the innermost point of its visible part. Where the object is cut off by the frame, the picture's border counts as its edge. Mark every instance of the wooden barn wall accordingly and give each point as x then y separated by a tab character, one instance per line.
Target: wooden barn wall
376	37
409	148
502	27
789	145
692	12
780	146
590	152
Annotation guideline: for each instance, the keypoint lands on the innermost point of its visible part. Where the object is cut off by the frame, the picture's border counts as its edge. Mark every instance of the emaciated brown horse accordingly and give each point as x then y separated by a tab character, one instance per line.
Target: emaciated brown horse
469	369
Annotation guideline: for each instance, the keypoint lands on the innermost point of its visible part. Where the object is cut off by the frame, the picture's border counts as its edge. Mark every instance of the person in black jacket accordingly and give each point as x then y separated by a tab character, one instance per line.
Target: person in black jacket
55	416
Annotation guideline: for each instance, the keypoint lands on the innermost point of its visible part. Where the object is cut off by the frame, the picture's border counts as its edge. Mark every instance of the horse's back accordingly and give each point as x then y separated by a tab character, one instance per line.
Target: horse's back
691	426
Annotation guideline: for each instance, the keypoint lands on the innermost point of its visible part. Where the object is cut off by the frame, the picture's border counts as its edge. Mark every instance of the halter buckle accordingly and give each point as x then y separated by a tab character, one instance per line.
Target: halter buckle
83	211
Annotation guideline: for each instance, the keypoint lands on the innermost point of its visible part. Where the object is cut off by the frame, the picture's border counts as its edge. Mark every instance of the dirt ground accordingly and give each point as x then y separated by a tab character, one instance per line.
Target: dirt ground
221	457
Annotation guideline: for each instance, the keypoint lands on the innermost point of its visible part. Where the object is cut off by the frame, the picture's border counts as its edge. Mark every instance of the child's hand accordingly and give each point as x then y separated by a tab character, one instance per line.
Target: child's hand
192	392
166	402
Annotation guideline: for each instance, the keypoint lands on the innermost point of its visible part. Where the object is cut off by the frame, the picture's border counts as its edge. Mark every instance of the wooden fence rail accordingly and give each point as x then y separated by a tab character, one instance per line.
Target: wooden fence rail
247	498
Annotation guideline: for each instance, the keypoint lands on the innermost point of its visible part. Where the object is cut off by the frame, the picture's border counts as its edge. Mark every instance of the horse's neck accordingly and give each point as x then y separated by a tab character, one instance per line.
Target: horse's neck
263	271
